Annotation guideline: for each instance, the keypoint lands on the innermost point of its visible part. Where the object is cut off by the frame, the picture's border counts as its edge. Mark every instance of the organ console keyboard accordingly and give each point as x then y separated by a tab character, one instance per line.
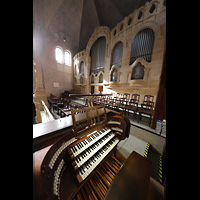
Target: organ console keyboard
83	163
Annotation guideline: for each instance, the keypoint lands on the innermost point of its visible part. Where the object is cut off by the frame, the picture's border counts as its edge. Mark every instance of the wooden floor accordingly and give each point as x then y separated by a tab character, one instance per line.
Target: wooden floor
97	185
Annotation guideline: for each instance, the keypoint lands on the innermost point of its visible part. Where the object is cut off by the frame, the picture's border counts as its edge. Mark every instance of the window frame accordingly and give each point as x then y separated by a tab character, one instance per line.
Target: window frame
63	56
61	51
70	56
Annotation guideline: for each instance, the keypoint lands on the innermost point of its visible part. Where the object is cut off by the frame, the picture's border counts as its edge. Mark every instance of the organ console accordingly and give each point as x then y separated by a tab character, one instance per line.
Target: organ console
83	163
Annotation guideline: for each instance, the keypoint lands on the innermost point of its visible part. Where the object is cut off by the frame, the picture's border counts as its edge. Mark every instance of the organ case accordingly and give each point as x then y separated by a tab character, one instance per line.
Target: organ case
85	157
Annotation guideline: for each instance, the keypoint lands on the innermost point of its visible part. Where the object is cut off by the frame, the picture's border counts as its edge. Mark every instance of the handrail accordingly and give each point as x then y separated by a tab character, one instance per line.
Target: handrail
49	116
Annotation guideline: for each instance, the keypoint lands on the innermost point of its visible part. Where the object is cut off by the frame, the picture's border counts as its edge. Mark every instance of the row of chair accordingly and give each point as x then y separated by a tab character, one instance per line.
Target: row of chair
129	103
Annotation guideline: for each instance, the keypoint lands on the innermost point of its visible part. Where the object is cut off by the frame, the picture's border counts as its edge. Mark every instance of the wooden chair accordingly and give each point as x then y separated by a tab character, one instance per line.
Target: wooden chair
52	96
108	101
98	100
148	97
147	109
102	100
115	102
111	101
136	97
126	95
132	105
119	95
122	103
95	101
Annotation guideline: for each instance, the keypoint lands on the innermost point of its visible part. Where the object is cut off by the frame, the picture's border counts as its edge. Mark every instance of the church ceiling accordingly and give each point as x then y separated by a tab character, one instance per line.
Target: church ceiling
76	19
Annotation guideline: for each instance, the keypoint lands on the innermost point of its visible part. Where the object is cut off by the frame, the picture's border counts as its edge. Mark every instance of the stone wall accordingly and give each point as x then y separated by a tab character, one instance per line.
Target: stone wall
131	26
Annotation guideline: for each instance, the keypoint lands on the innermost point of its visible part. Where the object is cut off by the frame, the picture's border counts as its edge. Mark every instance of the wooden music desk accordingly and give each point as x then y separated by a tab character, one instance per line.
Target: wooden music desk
132	180
46	133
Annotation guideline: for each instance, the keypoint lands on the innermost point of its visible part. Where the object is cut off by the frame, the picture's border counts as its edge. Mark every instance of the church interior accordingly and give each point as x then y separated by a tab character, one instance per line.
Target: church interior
99	99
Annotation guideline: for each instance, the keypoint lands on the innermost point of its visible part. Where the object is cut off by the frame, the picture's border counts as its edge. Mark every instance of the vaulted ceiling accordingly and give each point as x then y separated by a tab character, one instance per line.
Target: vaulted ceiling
76	19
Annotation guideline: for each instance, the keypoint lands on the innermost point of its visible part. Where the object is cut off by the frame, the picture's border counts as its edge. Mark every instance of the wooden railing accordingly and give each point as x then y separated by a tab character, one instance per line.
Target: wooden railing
49	116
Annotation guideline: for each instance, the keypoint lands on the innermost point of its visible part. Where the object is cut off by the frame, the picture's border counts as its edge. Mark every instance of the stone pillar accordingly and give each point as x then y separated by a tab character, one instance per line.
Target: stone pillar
39	93
88	90
38	51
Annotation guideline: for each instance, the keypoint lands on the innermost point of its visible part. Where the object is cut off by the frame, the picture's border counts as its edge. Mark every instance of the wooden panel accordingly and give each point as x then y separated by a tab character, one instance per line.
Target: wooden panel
47	133
160	107
37	183
132	180
91	117
44	170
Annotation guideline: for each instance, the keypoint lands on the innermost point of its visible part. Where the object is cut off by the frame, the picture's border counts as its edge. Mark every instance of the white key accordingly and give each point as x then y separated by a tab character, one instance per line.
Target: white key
99	158
89	143
89	155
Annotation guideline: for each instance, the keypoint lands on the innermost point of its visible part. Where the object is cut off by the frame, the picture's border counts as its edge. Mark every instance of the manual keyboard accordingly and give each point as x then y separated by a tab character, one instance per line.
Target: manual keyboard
83	145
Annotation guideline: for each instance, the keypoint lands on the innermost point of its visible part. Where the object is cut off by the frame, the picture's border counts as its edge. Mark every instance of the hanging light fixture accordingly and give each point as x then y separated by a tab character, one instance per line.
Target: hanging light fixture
64	38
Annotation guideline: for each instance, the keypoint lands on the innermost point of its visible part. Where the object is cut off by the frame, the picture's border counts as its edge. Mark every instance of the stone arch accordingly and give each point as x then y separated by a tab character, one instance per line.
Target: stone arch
141	26
146	69
114	67
92	76
138	71
100	31
98	76
119	39
81	61
112	49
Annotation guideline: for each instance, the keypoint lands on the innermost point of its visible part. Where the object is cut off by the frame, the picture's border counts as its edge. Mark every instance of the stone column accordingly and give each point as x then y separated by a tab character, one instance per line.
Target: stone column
88	90
39	93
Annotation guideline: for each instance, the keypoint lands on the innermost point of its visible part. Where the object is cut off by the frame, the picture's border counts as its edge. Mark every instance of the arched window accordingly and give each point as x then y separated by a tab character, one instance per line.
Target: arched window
63	58
92	79
142	45
101	78
114	75
81	79
59	55
97	54
82	68
138	72
68	60
117	55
